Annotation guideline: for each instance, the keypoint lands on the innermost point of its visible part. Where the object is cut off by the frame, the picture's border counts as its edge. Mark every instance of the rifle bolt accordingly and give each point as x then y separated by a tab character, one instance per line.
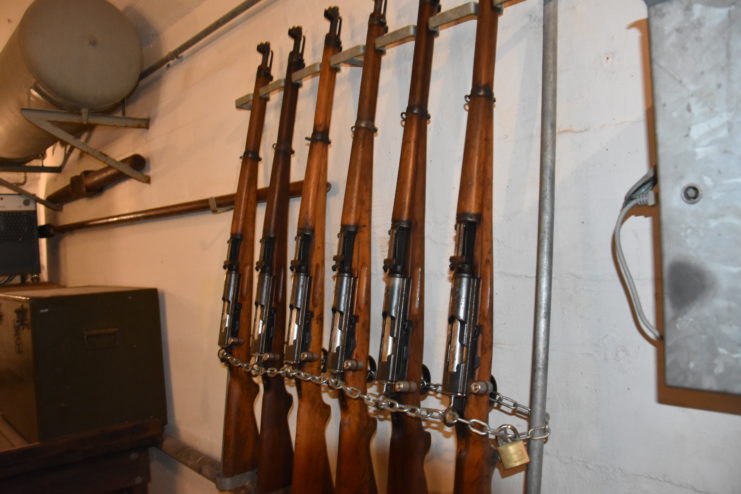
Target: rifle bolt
309	357
405	387
352	365
480	387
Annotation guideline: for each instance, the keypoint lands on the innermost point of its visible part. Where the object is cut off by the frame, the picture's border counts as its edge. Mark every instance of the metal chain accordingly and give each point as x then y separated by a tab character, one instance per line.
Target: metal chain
449	417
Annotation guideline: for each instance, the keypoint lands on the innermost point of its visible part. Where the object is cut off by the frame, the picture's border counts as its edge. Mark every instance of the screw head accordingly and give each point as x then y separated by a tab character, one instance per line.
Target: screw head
691	194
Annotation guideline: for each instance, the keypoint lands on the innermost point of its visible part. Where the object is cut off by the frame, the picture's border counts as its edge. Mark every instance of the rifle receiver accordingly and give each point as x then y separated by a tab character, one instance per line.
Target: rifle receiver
299	315
263	327
342	329
392	361
463	331
229	328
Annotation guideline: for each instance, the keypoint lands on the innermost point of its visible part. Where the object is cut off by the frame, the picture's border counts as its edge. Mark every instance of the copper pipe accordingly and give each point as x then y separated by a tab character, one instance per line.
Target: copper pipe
225	201
91	182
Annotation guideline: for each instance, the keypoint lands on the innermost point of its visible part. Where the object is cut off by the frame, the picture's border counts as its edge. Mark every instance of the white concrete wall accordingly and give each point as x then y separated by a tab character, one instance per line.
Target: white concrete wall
610	434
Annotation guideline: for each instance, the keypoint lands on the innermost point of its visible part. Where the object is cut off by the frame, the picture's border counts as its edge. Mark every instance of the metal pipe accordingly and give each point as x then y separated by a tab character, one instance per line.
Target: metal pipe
207	31
91	182
544	274
199	205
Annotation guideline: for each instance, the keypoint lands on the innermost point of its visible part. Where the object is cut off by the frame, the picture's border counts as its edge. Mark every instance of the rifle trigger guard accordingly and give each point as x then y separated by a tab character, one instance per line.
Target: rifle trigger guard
371	369
424	385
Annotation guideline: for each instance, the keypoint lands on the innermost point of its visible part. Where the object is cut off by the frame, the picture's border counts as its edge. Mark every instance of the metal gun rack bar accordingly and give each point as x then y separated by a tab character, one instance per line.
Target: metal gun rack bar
541	334
353	56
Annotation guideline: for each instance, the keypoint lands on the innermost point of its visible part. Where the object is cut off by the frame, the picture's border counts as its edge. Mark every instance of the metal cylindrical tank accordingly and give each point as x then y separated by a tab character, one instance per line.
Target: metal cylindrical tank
64	54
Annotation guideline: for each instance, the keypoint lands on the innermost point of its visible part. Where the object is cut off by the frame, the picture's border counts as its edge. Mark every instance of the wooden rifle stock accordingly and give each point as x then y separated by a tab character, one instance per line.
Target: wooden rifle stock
239	448
470	331
350	328
402	341
311	471
275	454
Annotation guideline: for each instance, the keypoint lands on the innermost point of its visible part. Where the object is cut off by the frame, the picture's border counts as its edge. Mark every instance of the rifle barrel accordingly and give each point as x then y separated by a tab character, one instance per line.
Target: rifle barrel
469	355
306	308
275	450
351	308
240	434
402	339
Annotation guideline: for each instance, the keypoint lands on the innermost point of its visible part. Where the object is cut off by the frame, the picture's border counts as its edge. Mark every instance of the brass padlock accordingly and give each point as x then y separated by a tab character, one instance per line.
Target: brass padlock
512	453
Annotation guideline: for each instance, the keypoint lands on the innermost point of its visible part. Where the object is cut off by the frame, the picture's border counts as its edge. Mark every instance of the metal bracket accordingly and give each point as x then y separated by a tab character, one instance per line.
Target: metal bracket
43	119
29	169
214	207
33	197
462	12
276	85
308	71
406	33
351	56
244	102
246	480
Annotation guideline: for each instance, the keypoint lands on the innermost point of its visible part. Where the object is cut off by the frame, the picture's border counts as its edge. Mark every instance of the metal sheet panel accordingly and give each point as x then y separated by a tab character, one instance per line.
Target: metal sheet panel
696	66
76	359
19	236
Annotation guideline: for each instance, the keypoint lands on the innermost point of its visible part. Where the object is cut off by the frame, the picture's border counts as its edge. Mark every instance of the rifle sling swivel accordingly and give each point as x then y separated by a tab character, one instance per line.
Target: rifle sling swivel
317	136
485	91
415	110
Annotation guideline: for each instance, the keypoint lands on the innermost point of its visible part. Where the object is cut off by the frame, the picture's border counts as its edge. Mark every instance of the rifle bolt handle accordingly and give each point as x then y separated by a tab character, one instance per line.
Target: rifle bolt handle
481	387
352	365
405	387
309	357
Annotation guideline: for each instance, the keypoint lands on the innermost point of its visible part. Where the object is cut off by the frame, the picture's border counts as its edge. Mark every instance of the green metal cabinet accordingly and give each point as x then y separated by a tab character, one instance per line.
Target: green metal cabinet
76	359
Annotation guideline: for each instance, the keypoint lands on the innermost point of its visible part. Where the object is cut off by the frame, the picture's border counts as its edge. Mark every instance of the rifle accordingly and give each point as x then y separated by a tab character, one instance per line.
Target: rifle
350	326
306	306
469	346
239	448
275	454
402	338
